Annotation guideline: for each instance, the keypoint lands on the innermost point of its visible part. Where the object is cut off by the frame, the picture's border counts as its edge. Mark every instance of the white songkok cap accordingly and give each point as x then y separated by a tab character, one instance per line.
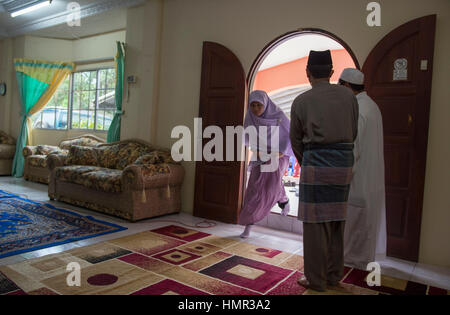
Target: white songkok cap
353	76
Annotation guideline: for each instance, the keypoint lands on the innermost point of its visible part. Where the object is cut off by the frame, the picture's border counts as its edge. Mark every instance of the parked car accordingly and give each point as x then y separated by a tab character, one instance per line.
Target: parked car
56	118
46	119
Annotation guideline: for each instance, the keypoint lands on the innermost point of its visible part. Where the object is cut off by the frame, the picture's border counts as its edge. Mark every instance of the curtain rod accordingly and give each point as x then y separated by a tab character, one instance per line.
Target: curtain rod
91	61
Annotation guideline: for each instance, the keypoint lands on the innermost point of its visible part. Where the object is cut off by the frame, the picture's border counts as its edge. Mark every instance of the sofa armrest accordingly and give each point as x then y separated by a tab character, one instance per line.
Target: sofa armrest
55	160
29	150
135	177
7	151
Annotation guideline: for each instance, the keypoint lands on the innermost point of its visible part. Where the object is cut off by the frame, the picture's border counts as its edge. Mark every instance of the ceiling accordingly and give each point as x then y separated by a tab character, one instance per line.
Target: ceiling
96	17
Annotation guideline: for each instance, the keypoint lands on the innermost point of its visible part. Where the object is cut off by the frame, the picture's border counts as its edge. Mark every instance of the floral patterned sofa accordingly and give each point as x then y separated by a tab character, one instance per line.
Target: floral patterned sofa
7	151
35	156
131	179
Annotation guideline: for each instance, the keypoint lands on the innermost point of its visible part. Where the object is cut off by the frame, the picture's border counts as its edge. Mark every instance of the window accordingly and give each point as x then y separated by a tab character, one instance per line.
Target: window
86	100
93	99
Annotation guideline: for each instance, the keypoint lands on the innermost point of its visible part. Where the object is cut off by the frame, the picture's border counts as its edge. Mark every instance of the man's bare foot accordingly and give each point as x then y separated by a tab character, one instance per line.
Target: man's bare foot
303	281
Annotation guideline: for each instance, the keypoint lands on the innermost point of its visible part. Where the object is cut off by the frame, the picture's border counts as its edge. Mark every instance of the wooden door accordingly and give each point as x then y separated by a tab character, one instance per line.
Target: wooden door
218	185
398	75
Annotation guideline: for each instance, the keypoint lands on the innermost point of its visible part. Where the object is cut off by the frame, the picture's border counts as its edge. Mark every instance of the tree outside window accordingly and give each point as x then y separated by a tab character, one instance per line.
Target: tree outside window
54	114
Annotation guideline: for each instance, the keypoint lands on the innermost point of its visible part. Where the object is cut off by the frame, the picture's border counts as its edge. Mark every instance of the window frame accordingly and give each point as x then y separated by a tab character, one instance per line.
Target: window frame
71	91
70	102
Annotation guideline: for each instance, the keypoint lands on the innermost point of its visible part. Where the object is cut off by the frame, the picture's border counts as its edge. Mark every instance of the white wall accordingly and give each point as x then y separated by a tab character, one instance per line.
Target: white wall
142	60
89	48
97	47
32	47
48	49
11	48
6	76
246	27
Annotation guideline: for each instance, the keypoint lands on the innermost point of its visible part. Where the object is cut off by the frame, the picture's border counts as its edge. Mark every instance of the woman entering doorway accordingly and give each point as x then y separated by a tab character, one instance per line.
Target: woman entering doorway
265	188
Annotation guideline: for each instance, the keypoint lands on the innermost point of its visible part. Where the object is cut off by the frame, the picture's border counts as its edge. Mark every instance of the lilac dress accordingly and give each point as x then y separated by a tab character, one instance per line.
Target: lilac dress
265	189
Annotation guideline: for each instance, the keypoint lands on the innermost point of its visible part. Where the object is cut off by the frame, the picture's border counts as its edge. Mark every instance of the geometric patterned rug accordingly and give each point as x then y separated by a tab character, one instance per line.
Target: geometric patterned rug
177	260
27	225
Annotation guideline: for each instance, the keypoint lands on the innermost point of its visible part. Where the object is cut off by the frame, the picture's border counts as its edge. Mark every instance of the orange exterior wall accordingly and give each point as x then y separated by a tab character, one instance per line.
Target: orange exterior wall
293	73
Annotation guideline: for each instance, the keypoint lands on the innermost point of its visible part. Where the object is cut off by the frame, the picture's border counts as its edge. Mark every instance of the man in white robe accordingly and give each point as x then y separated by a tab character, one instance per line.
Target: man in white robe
365	229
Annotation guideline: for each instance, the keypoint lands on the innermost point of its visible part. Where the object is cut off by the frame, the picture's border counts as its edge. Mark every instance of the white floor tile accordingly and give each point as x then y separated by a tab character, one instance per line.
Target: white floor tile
279	222
297	227
396	268
50	250
432	275
11	260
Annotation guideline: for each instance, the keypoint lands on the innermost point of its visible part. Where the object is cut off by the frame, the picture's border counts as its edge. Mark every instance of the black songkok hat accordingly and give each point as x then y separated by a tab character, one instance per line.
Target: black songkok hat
320	58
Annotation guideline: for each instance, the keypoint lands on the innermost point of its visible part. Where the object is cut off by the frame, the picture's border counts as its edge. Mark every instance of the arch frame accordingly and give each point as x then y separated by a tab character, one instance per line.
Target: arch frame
290	35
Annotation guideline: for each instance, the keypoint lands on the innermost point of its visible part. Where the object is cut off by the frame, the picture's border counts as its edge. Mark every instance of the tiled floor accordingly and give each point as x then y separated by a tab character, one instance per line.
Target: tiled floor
261	235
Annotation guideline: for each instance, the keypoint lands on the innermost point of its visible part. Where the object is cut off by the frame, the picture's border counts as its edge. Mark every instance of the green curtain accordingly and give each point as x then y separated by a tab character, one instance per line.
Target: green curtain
34	80
30	91
114	129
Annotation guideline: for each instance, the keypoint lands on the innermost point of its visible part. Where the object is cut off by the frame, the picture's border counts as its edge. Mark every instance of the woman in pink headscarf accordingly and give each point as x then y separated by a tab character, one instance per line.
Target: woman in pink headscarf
265	189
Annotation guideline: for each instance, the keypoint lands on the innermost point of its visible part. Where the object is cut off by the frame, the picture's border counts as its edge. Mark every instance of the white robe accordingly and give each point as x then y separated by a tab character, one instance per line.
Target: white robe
365	227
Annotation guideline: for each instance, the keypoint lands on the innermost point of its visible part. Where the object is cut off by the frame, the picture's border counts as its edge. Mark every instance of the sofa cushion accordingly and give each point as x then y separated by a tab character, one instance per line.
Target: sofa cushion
79	155
97	178
7	151
37	160
120	155
84	141
72	172
155	157
6	139
104	179
47	149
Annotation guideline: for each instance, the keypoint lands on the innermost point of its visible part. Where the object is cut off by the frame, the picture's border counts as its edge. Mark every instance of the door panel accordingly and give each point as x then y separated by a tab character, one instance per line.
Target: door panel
405	48
218	184
397	201
398	169
402	89
395	112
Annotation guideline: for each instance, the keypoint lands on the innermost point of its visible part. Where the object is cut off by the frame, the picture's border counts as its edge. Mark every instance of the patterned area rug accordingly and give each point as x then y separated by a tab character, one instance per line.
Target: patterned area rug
177	260
27	225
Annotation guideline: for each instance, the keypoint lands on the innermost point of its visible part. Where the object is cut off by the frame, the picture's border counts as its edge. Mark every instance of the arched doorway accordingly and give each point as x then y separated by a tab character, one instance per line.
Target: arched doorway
279	69
219	186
